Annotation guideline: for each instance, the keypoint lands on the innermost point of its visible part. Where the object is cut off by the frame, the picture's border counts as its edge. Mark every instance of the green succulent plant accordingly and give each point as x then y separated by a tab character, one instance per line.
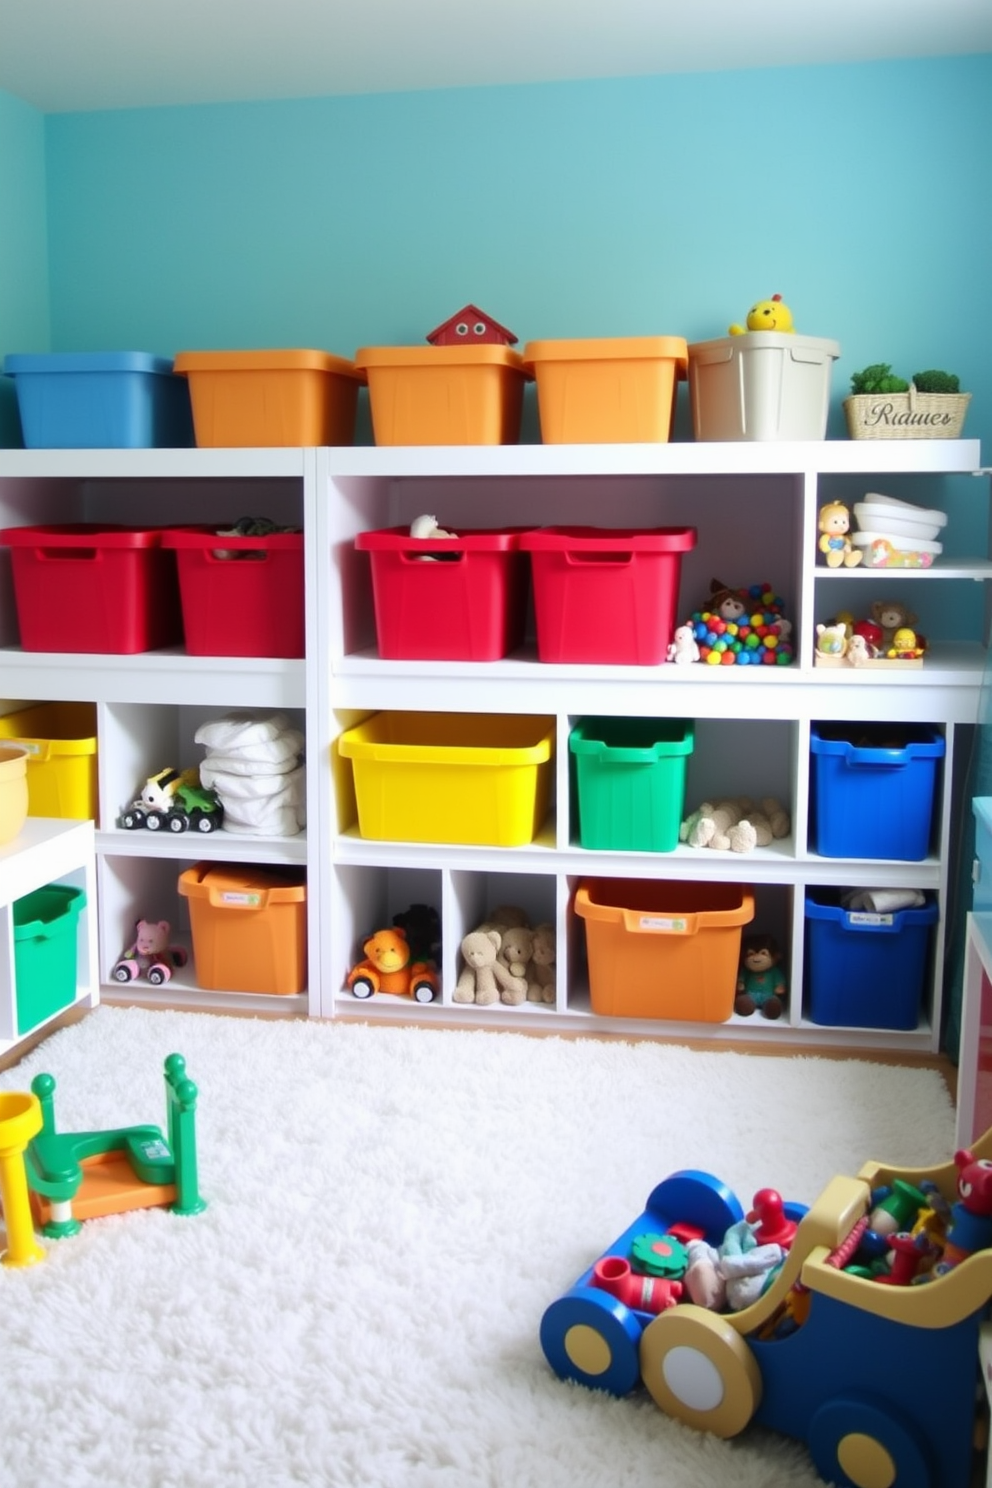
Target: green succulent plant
936	382
878	378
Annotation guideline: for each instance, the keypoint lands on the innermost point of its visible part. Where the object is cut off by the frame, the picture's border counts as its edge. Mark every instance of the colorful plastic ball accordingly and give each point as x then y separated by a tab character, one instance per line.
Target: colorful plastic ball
728	658
713	657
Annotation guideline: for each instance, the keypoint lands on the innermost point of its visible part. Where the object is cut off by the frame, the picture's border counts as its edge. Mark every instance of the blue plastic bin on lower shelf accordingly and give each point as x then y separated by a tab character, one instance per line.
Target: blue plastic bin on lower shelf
103	400
872	789
866	969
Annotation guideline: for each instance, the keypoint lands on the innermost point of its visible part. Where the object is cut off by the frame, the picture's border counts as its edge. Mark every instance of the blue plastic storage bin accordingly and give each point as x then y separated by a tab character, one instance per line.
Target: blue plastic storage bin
104	400
864	969
872	789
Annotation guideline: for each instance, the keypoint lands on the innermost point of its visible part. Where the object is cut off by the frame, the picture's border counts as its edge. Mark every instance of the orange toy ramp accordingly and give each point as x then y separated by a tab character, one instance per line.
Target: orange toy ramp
109	1186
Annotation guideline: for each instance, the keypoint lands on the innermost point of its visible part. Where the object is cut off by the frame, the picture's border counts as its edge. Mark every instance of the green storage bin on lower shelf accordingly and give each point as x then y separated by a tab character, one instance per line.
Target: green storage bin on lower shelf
45	939
630	781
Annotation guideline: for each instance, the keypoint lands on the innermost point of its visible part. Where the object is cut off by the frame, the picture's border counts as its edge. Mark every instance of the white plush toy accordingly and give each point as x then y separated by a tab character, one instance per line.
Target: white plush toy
735	825
683	649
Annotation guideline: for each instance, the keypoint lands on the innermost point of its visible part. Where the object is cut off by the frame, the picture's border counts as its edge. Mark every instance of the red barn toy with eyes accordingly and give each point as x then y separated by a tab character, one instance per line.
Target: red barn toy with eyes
471	326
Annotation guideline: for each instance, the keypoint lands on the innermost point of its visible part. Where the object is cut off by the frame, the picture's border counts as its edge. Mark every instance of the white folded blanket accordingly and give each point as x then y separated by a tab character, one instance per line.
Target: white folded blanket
242	728
282	823
220	771
277	790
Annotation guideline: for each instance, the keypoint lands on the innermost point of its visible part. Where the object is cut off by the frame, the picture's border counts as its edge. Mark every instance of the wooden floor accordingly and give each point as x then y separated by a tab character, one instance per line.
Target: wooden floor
939	1062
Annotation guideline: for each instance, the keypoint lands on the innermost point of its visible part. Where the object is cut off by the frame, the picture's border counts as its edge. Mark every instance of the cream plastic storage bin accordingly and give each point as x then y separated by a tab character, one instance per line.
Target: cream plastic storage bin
762	385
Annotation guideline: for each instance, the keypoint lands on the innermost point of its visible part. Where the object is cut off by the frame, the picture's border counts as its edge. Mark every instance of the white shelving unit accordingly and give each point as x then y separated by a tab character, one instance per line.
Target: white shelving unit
754	507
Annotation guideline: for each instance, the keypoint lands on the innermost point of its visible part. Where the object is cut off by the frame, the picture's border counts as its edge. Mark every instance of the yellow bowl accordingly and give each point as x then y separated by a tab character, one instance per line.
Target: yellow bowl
13	790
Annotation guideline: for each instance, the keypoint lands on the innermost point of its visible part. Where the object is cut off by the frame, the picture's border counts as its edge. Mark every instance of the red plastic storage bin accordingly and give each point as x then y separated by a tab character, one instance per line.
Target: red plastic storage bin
606	594
86	587
447	599
241	596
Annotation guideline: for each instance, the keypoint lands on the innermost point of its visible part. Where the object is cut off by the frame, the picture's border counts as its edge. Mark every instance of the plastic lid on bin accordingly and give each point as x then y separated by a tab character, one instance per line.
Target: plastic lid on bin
612	349
278	360
664	906
20	363
610	539
813	349
486	355
238	886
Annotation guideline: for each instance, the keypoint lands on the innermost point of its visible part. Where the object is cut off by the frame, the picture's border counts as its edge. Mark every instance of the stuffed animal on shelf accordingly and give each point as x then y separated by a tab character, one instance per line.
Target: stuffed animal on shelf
484	979
515	954
735	824
891	615
541	984
742	627
761	985
766	315
834	543
683	648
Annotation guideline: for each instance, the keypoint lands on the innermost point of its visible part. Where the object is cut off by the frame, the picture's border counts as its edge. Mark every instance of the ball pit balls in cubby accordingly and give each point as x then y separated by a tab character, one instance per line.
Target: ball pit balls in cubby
761	637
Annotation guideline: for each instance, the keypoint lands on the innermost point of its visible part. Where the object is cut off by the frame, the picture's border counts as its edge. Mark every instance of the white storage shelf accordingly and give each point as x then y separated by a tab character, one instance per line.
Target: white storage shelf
754	507
149	705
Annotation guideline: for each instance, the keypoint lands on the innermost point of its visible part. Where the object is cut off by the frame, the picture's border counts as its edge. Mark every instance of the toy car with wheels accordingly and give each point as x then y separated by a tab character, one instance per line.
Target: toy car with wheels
387	967
176	801
877	1380
150	955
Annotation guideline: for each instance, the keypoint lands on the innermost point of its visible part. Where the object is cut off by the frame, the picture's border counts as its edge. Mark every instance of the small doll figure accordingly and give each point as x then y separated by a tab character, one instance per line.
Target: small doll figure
760	982
835	545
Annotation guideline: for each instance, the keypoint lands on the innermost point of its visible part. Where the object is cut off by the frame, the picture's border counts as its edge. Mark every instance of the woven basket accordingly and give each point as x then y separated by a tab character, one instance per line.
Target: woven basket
909	415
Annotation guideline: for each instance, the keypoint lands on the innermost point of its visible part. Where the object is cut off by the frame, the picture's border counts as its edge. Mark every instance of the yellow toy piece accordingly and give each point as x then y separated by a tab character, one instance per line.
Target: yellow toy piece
20	1121
766	315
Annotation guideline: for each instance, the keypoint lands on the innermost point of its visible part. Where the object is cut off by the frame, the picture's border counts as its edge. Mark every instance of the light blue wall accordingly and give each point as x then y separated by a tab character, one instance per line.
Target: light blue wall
861	193
23	244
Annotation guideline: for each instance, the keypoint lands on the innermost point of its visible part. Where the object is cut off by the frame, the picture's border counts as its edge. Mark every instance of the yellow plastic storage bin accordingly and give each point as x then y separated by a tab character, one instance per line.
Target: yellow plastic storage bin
249	927
270	398
615	390
663	949
444	394
451	777
60	739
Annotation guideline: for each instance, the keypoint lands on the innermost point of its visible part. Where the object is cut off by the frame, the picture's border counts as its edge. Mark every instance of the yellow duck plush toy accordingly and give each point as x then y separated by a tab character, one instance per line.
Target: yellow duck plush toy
766	315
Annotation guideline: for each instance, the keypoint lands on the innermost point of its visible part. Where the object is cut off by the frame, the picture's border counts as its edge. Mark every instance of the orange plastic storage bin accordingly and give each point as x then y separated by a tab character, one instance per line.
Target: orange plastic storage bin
663	949
270	397
241	596
444	394
615	390
249	927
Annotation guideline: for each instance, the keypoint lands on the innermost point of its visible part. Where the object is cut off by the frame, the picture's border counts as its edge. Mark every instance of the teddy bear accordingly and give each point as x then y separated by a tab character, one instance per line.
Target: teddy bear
483	977
542	982
760	981
150	954
891	615
515	953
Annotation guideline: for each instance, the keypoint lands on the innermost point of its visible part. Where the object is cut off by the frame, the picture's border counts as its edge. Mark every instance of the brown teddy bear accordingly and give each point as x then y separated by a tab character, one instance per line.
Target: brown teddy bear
541	983
515	951
484	977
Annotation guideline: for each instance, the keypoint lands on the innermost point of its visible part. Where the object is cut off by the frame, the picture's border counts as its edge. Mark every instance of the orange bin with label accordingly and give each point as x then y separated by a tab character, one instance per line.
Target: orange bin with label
250	398
249	927
663	949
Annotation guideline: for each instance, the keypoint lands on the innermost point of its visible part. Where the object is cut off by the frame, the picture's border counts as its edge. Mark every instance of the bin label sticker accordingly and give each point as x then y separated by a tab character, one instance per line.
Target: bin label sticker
865	917
673	924
229	896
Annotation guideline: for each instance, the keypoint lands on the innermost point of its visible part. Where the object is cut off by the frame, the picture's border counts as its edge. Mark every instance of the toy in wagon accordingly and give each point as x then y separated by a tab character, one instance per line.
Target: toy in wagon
885	637
737	627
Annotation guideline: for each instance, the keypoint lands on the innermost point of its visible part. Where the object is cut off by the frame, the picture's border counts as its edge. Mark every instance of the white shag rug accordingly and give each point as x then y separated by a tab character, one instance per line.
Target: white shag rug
390	1212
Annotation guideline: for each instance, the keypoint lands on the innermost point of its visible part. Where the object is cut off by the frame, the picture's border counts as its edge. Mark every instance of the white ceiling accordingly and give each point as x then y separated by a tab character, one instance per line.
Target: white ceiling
62	55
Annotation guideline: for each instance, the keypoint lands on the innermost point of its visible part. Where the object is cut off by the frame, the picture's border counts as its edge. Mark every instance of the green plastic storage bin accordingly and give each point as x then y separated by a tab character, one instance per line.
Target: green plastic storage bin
45	938
630	781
